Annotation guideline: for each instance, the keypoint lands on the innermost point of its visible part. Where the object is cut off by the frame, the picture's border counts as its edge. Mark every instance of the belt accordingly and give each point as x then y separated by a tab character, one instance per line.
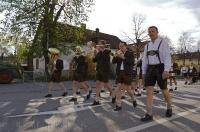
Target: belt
155	65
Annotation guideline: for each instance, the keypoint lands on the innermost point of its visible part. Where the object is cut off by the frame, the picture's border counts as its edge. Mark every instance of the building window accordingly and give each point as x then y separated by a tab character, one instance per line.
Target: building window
37	63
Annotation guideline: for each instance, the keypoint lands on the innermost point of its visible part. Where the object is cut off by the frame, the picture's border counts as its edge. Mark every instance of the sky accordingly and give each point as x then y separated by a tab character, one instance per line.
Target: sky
172	17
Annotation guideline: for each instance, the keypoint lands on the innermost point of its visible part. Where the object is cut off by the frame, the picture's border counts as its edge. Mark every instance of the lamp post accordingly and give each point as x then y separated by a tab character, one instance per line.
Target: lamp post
198	57
199	60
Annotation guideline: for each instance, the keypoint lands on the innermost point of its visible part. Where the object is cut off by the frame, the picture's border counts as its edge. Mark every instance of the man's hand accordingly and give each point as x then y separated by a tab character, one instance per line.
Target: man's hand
165	75
122	56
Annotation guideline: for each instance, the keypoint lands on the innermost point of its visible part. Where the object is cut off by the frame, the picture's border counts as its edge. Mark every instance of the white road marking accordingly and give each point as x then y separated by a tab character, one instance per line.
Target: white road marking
160	121
3	104
70	108
61	110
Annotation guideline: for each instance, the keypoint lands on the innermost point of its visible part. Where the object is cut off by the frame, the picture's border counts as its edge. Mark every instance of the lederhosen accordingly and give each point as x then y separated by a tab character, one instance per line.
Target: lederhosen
185	72
56	76
172	73
154	71
126	75
139	66
190	72
103	70
80	72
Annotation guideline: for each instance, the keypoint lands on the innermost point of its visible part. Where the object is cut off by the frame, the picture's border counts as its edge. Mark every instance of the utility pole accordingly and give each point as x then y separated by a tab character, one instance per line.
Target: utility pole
199	60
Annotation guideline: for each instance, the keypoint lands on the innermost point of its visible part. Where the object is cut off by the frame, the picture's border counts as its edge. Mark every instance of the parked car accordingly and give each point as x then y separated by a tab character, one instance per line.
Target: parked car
8	72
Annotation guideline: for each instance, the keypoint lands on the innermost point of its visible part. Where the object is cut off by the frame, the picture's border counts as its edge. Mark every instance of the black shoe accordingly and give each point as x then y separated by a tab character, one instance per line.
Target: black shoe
78	92
48	95
73	100
88	96
123	97
64	94
156	91
185	82
168	113
134	103
175	88
147	117
95	103
118	108
170	90
144	88
102	91
139	94
113	100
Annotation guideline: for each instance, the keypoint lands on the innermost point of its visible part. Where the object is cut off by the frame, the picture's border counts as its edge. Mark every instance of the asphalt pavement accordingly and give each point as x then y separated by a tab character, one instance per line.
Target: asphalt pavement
23	108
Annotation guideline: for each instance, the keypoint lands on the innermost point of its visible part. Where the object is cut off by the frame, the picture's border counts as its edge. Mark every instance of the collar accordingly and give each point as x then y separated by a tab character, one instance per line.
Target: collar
156	41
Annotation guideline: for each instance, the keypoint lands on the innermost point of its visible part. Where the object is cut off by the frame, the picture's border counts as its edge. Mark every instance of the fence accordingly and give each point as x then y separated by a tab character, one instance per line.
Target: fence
40	76
31	76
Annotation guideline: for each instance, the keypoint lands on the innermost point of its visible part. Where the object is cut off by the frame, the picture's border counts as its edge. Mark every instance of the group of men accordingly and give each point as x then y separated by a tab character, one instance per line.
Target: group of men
189	73
155	67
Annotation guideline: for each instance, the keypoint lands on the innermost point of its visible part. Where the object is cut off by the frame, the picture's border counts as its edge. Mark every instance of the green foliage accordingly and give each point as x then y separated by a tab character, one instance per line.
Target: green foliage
68	36
39	18
22	51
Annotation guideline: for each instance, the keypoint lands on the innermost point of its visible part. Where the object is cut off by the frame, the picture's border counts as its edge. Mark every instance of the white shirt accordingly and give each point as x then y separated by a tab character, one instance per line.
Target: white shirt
184	69
190	69
164	53
122	66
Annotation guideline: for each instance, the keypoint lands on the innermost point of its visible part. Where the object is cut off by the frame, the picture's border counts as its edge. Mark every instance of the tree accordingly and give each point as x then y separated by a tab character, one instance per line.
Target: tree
41	17
22	51
185	42
6	44
3	52
139	33
169	41
19	45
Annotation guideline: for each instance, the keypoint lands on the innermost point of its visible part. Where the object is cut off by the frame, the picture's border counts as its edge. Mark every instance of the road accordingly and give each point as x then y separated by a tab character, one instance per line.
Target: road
23	108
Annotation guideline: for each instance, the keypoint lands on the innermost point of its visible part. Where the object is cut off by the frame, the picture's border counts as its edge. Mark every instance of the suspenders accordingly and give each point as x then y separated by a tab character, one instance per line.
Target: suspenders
156	52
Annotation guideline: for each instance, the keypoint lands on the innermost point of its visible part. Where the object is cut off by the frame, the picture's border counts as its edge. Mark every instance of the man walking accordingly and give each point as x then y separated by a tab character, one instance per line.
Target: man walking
103	71
125	61
156	64
80	74
55	66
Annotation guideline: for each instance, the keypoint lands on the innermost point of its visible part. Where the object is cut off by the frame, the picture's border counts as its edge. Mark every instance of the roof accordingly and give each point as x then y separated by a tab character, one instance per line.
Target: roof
90	35
110	39
188	55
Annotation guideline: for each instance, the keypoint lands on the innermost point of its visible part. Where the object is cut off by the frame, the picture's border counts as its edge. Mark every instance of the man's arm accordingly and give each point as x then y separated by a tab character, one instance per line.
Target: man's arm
144	61
106	55
115	59
166	59
129	58
167	56
59	64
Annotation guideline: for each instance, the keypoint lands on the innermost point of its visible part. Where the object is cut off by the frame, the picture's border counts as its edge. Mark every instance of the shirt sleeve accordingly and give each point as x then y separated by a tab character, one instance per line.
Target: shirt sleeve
166	56
144	61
